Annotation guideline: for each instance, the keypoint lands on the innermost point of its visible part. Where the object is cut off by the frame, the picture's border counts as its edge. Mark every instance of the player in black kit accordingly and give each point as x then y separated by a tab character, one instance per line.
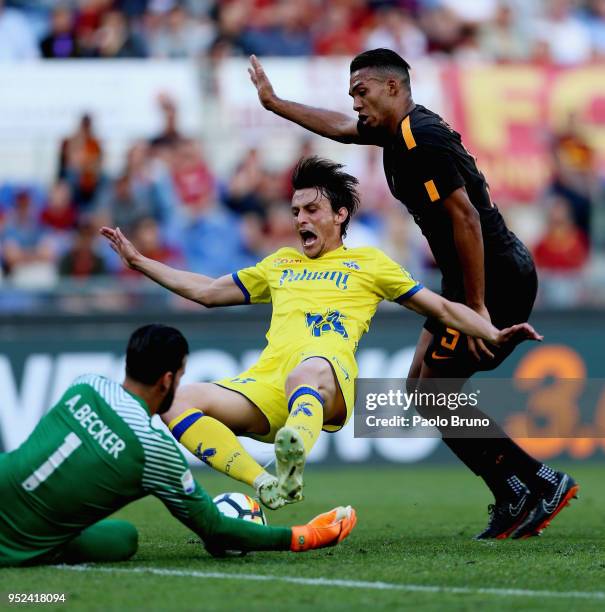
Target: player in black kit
483	264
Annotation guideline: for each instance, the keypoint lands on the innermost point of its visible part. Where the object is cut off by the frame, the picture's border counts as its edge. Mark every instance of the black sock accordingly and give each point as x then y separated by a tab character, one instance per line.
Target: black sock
501	463
541	478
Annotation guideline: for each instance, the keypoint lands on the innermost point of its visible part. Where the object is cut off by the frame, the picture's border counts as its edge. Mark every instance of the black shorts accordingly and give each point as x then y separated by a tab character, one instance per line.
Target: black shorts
511	285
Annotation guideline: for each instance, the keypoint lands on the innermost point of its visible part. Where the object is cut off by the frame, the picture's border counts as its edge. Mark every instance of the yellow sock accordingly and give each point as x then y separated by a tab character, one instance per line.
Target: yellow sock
215	444
305	406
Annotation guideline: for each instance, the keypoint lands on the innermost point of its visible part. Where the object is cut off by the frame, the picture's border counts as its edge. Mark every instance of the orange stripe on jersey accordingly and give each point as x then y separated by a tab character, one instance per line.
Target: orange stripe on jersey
431	189
406	130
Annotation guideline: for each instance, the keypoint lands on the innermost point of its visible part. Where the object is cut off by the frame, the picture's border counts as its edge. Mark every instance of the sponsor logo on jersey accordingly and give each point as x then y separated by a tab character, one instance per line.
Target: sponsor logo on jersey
285	261
340	279
351	264
243	381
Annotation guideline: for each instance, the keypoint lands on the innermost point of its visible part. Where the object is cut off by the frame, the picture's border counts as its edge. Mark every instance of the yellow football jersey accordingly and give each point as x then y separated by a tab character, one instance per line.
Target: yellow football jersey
330	298
321	308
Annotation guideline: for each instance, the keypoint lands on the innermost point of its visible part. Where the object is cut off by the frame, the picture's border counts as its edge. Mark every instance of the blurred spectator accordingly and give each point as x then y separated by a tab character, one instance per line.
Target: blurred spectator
306	149
115	40
89	18
243	189
287	34
468	47
146	237
82	259
395	29
253	238
213	242
59	213
504	39
120	206
144	189
17	40
376	198
80	162
180	36
575	177
562	35
170	135
563	247
61	42
442	28
193	180
280	230
594	19
471	12
336	34
28	250
232	18
132	8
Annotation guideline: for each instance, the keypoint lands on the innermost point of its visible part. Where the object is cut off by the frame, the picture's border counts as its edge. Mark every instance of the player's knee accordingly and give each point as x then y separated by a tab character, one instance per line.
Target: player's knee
186	397
125	540
130	541
313	372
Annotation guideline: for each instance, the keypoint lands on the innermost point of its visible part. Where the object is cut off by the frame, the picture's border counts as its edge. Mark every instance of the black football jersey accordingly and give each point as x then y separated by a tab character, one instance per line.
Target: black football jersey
424	163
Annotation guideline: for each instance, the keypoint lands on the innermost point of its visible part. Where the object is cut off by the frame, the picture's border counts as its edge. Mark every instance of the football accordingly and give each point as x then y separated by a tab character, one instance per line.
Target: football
239	505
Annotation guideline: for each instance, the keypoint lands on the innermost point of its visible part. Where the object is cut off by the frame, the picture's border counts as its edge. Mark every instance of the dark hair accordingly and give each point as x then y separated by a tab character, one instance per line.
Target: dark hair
384	59
326	176
154	350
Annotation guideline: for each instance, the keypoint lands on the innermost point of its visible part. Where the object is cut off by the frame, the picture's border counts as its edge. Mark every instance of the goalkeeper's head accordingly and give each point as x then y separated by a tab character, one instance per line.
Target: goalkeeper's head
324	200
155	362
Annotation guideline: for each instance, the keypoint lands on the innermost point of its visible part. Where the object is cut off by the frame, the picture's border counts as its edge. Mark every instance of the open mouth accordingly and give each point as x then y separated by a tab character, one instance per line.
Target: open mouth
308	238
362	118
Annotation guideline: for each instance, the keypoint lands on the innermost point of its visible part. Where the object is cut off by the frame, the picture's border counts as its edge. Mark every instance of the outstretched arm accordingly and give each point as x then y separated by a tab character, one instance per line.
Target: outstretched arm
462	318
196	287
468	239
330	124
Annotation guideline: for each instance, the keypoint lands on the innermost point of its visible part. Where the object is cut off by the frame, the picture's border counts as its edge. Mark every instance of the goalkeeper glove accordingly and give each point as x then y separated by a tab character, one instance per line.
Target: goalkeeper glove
327	529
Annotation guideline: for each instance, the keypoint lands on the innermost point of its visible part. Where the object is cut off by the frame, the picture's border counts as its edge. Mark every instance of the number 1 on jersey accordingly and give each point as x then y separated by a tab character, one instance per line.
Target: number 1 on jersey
69	445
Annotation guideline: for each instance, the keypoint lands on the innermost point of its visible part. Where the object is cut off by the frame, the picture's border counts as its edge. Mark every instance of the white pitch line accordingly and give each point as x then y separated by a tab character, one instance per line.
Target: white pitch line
350	584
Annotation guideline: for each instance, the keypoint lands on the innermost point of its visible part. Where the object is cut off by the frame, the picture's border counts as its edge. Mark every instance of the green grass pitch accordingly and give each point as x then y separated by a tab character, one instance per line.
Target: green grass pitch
415	529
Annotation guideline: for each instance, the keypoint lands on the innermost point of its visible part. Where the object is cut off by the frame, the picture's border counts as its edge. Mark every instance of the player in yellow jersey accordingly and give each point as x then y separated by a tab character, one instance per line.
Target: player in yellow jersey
323	299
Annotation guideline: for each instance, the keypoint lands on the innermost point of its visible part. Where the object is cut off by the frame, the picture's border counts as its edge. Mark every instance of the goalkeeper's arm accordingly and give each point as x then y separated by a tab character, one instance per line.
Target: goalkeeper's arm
196	287
220	533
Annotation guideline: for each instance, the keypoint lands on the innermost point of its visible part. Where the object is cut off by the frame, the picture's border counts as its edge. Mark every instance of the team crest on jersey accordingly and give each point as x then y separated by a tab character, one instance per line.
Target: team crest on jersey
353	265
320	323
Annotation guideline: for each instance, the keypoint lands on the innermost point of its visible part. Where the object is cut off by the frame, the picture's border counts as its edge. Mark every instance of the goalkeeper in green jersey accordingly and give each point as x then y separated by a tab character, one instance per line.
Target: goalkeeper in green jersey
96	451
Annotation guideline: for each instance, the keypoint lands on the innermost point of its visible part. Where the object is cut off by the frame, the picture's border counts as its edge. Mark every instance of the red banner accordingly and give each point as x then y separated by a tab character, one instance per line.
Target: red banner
510	116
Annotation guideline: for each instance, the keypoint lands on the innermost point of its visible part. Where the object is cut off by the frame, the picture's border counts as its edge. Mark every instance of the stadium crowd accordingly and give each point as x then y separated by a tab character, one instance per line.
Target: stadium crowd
177	210
560	31
167	196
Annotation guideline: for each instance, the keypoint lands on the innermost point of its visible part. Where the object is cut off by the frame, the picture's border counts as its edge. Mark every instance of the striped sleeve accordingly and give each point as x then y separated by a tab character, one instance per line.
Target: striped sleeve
166	474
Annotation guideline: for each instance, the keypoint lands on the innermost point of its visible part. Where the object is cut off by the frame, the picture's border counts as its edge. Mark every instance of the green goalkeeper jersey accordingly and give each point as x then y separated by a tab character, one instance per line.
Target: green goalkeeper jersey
94	452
